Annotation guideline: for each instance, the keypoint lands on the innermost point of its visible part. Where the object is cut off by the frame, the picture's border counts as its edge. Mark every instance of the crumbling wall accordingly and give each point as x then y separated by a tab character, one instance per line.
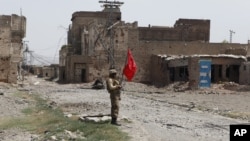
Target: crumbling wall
48	72
194	29
187	37
142	53
183	30
82	21
4	68
159	71
38	71
75	63
237	51
12	31
102	59
5	40
143	50
166	69
245	73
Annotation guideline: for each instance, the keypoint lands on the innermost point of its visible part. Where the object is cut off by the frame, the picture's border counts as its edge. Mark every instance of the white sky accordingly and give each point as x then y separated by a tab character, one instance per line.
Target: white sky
47	20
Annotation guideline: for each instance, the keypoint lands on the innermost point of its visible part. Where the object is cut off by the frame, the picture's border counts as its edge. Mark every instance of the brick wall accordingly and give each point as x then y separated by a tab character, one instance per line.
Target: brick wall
183	30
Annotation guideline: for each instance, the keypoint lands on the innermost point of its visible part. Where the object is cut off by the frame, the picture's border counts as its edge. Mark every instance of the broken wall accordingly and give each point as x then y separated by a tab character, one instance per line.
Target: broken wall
187	37
168	69
159	71
142	50
48	72
100	56
183	30
142	53
81	22
12	31
78	69
4	68
245	73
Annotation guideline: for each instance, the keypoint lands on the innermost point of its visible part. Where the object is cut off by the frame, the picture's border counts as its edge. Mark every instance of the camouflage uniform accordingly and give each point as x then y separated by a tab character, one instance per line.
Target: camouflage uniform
113	88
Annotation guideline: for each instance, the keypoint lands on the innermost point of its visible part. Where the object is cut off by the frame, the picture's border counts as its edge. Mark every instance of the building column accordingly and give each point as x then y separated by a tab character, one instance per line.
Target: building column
224	72
194	73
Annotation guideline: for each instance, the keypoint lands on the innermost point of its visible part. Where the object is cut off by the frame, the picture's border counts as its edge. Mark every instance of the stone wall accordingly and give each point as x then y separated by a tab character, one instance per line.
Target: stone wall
12	31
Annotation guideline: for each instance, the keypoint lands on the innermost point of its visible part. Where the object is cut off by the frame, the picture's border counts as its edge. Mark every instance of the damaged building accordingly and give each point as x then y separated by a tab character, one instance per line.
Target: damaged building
163	54
12	31
50	72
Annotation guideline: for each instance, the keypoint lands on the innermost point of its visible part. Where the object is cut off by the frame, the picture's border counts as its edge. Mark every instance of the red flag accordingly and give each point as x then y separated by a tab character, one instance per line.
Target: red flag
130	68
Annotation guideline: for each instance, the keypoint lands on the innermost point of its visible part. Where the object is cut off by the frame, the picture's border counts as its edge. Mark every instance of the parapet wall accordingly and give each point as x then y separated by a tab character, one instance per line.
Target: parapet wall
183	30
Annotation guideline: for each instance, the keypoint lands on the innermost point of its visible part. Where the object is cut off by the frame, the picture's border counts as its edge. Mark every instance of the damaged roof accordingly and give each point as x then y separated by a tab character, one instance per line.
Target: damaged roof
174	57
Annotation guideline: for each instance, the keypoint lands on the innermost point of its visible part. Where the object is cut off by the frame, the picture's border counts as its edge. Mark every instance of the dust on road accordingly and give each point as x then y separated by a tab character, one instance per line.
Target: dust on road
151	113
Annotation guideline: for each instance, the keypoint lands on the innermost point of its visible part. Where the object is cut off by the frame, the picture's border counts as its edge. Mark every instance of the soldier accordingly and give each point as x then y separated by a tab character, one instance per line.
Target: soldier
114	88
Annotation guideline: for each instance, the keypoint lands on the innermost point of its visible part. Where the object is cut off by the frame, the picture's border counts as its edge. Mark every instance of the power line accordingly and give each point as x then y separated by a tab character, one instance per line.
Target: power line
41	58
58	45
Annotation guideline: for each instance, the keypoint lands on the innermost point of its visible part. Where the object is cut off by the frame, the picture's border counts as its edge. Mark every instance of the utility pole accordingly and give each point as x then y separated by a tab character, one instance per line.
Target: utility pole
111	6
231	35
24	59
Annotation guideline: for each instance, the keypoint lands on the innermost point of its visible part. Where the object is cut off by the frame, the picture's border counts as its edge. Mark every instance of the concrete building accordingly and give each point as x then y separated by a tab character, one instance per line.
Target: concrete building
12	31
163	54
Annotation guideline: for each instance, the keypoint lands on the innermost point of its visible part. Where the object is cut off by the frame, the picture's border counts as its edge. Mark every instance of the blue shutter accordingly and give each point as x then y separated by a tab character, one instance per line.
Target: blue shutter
205	73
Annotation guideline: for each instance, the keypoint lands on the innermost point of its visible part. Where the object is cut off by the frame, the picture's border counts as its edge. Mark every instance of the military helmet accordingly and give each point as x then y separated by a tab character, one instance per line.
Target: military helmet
112	71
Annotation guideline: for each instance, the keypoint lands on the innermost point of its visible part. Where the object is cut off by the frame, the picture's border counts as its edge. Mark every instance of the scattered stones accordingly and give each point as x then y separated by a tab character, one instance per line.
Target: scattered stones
68	115
145	105
71	135
95	118
173	125
53	138
208	92
105	118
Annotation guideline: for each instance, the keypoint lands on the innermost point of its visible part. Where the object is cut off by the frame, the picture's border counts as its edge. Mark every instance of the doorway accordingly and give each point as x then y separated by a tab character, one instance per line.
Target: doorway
83	75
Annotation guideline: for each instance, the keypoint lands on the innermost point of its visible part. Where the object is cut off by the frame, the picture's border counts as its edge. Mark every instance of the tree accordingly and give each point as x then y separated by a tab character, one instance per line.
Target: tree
225	41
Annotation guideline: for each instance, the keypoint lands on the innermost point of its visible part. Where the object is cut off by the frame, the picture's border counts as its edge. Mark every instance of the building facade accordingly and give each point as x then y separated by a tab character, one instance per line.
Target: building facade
94	47
12	31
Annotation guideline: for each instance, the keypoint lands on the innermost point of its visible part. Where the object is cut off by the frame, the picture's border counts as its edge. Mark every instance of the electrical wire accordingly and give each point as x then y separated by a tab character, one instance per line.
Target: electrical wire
41	59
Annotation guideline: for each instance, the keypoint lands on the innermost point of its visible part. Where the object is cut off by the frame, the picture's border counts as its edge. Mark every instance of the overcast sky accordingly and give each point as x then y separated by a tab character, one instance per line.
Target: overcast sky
48	20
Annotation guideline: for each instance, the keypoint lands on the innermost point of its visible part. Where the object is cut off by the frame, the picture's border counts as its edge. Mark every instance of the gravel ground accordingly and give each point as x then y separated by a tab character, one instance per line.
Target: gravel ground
163	114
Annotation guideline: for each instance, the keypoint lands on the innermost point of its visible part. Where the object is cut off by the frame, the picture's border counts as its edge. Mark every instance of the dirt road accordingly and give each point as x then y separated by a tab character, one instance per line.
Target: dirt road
148	113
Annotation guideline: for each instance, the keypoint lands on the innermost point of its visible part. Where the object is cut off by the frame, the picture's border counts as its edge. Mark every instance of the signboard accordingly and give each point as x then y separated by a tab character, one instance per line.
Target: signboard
205	73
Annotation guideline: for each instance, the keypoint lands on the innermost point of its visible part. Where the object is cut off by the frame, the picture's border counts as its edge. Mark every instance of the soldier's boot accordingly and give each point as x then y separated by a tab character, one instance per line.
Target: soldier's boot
114	122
